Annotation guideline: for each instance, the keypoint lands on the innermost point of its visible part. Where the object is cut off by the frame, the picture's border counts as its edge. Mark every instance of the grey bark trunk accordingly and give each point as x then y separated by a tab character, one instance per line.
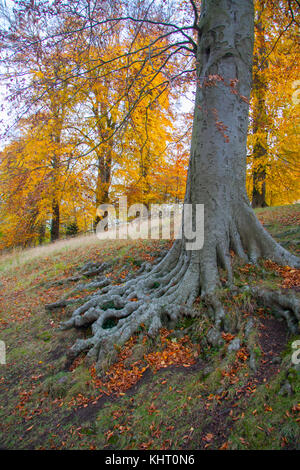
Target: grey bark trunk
217	169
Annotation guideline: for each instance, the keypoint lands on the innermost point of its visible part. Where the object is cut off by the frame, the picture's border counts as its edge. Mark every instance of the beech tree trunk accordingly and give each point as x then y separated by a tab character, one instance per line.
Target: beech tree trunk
217	170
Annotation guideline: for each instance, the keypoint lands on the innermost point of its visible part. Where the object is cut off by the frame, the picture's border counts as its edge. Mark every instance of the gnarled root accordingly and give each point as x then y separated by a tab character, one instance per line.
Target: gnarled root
156	296
282	305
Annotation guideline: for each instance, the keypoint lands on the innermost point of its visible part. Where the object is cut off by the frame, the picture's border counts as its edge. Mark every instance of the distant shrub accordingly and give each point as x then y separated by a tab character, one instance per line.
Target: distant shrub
72	229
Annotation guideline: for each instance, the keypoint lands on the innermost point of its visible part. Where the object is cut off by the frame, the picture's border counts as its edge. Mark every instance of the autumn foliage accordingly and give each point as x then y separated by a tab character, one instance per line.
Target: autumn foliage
95	116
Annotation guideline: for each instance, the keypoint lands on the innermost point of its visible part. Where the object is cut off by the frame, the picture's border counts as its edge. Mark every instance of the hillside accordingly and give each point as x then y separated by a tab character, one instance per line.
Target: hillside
181	391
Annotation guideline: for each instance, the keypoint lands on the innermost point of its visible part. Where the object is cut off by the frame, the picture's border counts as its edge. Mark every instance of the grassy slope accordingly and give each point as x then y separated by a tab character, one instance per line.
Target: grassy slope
218	402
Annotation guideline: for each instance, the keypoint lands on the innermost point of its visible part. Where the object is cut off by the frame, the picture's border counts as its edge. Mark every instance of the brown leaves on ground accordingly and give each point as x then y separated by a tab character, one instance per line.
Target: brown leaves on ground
242	354
175	352
120	377
208	438
291	276
286	215
228	337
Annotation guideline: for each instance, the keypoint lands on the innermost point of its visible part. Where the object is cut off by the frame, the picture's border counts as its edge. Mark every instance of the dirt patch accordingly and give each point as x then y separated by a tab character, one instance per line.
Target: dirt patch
56	353
89	412
273	335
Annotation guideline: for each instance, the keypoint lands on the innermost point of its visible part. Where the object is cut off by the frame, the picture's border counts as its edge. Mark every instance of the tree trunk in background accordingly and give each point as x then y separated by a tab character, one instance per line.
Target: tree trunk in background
103	179
260	148
42	233
54	231
104	158
103	182
56	181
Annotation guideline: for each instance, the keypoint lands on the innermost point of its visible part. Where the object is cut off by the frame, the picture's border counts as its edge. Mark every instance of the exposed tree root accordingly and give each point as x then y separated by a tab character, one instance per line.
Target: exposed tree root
158	295
282	305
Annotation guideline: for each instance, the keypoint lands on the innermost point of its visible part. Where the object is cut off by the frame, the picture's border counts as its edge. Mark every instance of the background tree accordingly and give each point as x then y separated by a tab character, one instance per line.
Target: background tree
259	115
272	174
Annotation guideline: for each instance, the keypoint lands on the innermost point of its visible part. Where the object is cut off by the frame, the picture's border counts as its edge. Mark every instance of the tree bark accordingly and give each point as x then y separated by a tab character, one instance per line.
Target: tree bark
103	182
42	232
260	148
56	166
217	170
55	222
104	158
